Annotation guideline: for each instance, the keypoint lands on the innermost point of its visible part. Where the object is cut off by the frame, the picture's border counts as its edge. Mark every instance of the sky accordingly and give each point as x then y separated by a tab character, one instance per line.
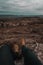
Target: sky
21	7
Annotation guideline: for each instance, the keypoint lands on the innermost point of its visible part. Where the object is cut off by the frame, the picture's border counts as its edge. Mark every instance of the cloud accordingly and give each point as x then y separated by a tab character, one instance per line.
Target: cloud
22	6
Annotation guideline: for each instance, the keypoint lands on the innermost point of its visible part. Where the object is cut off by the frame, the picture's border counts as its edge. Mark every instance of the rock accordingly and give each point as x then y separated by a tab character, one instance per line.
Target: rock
12	29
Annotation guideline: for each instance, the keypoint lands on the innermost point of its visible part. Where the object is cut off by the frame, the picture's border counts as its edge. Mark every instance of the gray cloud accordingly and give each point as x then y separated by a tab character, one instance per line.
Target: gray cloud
27	7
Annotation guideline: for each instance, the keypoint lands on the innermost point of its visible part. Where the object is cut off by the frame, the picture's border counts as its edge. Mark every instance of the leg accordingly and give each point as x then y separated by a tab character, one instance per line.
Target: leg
6	56
29	57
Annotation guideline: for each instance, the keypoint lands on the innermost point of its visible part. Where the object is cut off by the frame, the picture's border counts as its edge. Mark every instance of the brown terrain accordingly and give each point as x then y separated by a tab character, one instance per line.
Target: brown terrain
31	28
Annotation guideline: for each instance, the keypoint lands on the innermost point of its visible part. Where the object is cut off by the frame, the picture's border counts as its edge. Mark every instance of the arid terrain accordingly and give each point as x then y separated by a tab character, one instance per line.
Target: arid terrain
31	28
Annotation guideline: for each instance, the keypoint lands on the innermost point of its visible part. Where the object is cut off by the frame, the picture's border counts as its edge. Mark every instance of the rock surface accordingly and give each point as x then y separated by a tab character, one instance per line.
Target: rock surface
29	28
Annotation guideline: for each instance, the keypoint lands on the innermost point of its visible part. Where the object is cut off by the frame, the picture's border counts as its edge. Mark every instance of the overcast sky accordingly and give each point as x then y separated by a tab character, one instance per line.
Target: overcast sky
21	7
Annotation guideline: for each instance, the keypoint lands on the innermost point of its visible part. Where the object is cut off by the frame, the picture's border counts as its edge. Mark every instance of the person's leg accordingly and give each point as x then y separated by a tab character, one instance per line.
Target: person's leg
6	56
29	57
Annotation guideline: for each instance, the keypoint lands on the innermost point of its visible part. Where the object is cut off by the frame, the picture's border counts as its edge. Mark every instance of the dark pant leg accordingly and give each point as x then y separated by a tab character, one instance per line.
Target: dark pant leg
29	57
6	56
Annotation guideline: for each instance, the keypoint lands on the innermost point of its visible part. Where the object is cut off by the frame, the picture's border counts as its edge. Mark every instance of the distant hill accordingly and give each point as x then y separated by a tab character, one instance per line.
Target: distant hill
16	16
